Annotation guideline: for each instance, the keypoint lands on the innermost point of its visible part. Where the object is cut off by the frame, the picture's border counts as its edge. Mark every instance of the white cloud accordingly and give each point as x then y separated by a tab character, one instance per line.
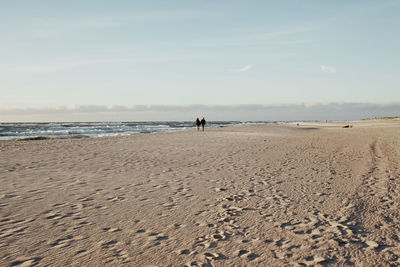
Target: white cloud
243	69
328	69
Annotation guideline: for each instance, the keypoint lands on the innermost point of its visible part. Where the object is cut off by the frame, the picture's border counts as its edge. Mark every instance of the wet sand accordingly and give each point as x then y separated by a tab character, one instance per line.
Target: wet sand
314	194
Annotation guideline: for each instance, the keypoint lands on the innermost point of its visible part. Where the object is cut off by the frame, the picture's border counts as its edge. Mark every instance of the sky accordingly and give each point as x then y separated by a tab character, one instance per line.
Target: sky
103	60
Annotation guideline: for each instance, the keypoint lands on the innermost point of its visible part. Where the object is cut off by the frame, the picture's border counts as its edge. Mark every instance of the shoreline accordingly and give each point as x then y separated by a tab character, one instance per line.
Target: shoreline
50	130
322	124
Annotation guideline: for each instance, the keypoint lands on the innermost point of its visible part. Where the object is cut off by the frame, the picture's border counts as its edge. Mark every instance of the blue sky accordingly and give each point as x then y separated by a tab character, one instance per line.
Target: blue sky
64	53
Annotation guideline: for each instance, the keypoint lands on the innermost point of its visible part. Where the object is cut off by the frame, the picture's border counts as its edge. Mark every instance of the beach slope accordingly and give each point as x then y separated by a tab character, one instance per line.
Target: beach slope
315	194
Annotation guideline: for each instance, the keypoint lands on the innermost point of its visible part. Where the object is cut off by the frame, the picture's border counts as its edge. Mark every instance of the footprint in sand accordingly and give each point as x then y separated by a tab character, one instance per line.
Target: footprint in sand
62	242
13	231
184	252
220	189
214	256
111	230
114	247
157	237
115	198
236	198
26	262
81	252
108	244
247	254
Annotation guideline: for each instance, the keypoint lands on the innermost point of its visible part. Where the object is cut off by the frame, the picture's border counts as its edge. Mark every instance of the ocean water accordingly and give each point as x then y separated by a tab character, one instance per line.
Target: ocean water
98	129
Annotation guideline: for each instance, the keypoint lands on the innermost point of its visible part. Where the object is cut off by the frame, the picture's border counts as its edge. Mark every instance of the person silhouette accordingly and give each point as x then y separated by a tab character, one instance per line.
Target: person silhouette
203	123
198	124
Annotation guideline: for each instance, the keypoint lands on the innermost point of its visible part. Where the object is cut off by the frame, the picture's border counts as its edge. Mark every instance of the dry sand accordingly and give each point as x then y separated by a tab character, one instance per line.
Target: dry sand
316	194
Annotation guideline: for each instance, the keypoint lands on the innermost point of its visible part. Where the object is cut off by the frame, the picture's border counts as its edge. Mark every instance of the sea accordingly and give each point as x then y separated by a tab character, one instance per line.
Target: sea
44	130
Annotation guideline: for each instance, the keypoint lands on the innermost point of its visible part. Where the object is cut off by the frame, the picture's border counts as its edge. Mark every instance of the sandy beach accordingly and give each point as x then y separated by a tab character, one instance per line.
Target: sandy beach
285	195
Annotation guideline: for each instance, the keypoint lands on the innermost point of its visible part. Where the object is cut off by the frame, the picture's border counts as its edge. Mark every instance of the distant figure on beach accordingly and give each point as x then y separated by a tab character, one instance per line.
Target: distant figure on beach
198	124
203	123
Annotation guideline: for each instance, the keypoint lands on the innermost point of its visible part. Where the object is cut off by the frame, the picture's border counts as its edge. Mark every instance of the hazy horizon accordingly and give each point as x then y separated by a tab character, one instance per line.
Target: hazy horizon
273	112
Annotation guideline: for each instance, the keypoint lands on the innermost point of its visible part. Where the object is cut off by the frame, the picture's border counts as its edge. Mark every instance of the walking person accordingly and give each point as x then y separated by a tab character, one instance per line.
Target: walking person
203	123
198	124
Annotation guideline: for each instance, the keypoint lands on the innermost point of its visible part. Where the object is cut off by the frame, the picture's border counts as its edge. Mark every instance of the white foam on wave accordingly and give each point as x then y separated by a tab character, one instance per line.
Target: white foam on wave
99	129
